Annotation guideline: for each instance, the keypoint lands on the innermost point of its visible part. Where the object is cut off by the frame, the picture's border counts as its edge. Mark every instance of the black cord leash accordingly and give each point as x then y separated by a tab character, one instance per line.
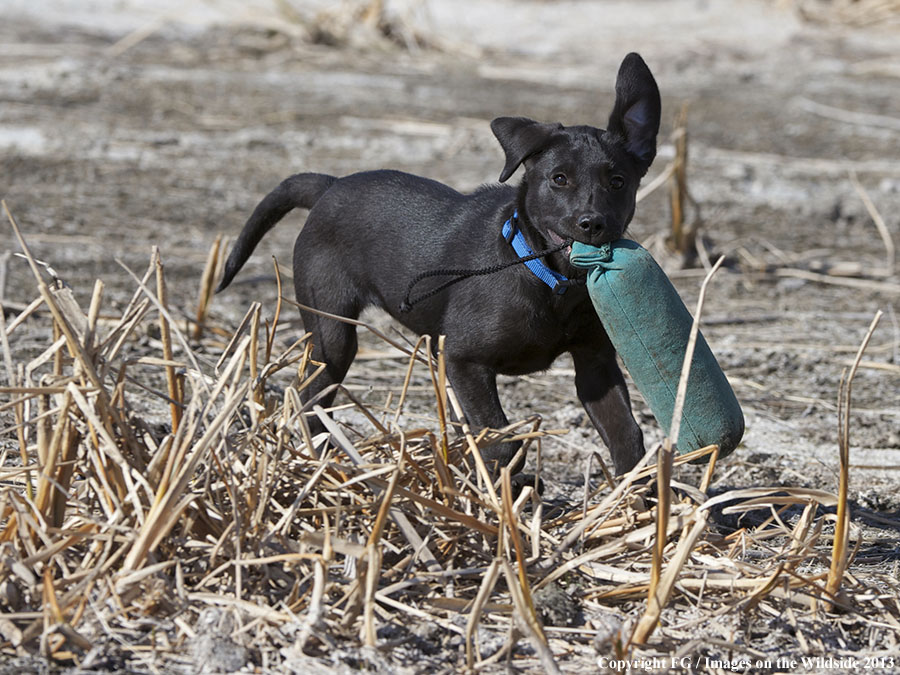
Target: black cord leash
460	275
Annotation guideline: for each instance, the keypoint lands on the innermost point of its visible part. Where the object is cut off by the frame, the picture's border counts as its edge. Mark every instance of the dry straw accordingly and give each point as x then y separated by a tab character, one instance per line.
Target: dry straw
146	481
862	13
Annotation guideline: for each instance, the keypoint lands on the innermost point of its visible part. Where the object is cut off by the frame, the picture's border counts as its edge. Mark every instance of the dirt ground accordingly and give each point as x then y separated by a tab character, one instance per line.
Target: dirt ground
119	132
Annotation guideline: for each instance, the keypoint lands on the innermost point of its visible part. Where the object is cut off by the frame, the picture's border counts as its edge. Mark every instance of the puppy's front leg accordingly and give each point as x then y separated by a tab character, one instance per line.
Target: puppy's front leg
604	394
476	388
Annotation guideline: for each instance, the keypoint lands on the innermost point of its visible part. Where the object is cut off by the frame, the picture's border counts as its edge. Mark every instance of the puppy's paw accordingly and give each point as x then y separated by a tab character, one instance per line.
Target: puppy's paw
519	481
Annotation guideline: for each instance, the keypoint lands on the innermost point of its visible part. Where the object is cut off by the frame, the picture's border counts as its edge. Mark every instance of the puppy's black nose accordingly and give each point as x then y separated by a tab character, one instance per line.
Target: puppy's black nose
592	225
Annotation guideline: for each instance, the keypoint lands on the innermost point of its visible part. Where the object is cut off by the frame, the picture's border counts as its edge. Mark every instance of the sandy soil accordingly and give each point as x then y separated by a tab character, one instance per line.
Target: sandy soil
172	135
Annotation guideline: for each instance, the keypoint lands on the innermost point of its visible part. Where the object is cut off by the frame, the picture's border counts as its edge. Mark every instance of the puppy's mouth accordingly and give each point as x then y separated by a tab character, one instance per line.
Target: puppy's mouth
556	240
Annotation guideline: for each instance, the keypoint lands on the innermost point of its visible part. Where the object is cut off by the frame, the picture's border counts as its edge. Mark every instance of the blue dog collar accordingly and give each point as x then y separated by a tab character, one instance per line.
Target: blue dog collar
556	281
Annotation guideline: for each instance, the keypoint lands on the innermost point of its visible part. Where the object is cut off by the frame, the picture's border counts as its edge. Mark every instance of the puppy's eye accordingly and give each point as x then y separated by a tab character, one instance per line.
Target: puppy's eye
617	182
559	179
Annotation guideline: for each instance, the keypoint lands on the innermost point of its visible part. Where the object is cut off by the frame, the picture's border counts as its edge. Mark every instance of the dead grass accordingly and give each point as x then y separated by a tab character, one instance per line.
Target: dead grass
158	494
873	13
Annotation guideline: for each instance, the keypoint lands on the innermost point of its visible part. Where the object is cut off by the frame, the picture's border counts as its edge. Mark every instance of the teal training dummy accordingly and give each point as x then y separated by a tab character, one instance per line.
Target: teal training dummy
649	326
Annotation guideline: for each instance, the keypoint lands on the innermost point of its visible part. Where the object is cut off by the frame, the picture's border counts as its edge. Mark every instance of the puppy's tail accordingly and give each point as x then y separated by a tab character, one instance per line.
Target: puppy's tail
301	190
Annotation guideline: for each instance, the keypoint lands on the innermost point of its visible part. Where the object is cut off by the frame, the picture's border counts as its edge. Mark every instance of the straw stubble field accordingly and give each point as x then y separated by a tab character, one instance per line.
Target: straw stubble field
164	508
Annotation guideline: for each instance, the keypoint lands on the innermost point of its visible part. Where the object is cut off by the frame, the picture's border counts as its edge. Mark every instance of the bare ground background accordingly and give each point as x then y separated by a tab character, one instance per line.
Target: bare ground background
127	127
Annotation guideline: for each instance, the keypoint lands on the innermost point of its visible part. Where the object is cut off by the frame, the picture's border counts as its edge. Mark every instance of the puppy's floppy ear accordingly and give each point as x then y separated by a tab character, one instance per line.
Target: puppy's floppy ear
520	138
636	113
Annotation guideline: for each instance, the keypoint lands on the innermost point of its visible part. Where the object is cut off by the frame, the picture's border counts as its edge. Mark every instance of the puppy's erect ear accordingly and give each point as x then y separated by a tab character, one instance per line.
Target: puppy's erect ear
636	113
521	138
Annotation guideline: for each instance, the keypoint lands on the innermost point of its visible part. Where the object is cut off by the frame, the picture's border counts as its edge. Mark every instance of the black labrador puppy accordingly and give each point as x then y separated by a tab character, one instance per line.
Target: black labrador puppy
368	235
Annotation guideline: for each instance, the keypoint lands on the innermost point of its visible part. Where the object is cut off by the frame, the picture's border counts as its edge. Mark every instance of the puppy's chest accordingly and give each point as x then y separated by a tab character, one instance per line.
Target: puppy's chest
539	334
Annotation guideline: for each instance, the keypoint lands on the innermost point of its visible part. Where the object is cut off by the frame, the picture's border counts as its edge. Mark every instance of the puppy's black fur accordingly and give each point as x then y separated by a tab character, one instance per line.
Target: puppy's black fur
369	234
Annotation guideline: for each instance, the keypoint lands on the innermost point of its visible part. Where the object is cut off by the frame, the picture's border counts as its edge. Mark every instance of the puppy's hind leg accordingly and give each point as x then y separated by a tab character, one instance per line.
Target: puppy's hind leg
334	344
334	341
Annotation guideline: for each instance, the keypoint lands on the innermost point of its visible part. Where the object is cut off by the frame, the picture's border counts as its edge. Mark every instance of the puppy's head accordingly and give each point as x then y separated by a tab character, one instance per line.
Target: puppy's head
580	182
